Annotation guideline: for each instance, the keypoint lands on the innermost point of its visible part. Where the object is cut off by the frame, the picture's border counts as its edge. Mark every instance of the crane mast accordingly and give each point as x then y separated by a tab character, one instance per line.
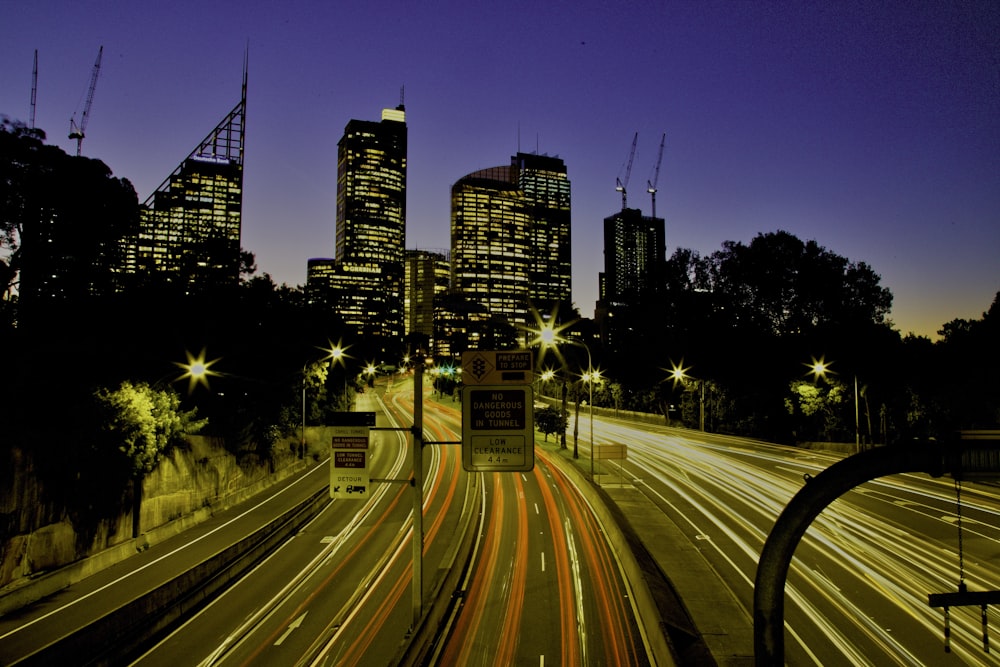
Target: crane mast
34	89
651	185
77	131
621	185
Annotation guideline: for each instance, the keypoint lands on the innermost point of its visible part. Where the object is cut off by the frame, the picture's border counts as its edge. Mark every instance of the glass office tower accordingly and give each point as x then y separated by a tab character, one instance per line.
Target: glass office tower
510	236
190	227
371	190
546	190
364	281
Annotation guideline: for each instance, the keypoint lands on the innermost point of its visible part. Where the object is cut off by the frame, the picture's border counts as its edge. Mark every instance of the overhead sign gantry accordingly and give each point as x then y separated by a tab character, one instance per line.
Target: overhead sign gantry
498	422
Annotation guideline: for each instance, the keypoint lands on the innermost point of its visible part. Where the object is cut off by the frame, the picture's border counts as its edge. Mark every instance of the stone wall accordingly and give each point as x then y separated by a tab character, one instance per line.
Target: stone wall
187	487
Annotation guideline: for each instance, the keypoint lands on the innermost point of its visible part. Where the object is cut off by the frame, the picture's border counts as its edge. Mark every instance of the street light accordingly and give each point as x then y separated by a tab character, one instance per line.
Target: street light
338	355
549	337
679	374
196	370
819	368
590	378
543	379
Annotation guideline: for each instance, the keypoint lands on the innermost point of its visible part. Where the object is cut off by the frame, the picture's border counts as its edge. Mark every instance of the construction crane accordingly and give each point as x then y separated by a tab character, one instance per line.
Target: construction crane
620	185
77	131
651	185
34	89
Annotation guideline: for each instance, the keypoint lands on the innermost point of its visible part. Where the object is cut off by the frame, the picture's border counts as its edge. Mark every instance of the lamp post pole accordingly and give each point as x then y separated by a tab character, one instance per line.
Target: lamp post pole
547	336
590	380
701	406
857	426
417	543
302	444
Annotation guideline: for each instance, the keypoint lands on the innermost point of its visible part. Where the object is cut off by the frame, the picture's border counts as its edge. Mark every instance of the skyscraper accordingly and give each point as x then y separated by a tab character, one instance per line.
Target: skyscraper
371	190
428	276
634	259
634	256
364	281
190	227
546	190
510	237
490	243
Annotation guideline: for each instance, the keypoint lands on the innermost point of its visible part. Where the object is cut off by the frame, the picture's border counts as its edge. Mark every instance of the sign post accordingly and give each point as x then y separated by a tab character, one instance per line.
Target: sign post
498	421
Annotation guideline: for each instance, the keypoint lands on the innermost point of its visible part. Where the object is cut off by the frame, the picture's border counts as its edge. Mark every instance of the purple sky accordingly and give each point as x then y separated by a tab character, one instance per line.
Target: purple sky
873	128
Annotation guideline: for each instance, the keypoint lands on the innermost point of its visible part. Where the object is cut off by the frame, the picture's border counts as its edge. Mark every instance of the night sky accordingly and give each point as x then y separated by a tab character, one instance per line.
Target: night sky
872	128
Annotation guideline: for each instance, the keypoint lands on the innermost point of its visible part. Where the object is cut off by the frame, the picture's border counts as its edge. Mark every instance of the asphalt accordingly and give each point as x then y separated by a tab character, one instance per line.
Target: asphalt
702	620
699	617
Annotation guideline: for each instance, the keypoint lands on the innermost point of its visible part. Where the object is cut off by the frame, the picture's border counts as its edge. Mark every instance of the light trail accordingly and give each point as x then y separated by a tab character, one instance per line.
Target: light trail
881	548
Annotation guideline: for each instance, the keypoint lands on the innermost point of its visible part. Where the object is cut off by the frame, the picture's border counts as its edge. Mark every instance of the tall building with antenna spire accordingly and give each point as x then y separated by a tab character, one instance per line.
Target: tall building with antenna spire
363	283
190	227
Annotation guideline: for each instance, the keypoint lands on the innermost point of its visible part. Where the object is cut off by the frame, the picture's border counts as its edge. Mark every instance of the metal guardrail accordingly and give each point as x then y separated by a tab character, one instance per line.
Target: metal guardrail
112	639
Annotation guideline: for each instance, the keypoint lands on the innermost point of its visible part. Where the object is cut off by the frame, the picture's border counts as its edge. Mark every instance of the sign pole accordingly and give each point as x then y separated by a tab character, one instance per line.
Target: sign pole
418	491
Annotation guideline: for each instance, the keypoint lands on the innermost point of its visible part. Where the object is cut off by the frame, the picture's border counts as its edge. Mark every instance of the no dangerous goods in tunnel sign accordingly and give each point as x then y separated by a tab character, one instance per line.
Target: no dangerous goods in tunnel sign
498	428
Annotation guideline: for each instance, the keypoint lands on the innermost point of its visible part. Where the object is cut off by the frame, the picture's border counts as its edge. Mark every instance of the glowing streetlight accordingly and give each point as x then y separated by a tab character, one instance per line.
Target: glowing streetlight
196	370
679	374
337	354
819	368
548	337
547	376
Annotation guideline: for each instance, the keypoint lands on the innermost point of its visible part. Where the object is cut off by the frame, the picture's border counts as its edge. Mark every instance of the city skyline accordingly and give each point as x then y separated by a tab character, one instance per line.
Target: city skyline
872	131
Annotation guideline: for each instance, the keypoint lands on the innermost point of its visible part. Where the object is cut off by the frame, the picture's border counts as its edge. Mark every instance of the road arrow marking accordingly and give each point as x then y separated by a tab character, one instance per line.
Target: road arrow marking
291	626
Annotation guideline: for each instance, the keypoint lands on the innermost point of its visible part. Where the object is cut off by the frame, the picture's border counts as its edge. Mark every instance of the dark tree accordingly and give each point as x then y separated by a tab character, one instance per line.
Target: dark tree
64	222
779	285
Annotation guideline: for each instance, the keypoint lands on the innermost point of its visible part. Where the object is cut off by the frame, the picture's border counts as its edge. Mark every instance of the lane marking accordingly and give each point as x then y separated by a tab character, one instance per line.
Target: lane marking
291	626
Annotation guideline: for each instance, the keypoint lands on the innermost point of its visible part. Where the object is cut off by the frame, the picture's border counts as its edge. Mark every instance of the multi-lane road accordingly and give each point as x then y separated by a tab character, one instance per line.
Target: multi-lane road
544	587
340	592
857	592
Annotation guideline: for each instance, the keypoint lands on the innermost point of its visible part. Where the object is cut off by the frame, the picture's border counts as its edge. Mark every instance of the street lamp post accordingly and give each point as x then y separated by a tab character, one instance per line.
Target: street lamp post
591	377
857	427
548	338
819	369
679	374
338	355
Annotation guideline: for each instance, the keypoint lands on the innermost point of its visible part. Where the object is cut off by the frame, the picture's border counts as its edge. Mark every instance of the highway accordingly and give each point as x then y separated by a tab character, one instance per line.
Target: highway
857	590
340	592
545	589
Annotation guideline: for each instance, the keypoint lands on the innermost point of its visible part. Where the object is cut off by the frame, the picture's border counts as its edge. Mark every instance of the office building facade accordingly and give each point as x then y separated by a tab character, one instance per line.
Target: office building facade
634	262
510	237
427	277
371	190
364	282
546	187
190	227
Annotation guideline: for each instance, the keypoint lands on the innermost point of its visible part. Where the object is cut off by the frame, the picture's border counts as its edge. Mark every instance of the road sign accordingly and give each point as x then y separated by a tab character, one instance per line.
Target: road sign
349	462
497	367
498	428
612	451
354	418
